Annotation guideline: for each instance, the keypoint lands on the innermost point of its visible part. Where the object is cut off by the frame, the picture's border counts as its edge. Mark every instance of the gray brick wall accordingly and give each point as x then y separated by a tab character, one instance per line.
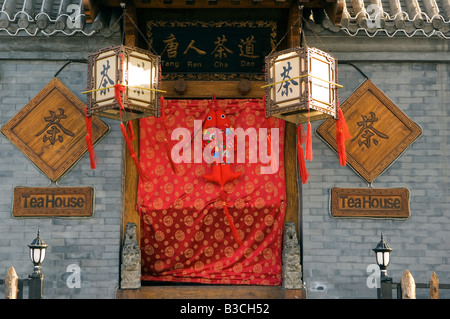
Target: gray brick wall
337	252
92	244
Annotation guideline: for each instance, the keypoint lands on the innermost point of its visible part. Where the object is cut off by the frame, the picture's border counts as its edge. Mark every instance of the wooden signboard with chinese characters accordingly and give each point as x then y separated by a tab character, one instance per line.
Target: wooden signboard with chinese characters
370	202
380	131
218	50
53	202
51	129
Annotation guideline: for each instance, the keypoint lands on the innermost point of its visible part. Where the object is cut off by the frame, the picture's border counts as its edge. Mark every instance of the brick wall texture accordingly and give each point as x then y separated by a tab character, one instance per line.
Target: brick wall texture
90	245
337	253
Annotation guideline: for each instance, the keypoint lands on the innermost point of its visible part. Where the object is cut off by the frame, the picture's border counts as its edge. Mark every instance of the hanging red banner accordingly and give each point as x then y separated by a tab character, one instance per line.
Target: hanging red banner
186	235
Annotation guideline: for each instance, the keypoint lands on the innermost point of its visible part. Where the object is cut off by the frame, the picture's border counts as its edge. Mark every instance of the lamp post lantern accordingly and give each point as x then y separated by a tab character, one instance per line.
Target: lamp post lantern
382	253
38	250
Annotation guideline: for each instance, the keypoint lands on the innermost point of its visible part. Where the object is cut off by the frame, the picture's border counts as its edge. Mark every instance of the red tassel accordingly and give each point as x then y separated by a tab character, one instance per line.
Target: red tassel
301	137
118	89
309	153
232	226
300	157
161	103
344	126
301	164
132	153
342	134
161	107
89	142
130	130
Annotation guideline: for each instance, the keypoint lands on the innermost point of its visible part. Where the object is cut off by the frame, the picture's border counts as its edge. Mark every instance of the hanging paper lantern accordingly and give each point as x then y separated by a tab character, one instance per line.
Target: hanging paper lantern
123	83
301	85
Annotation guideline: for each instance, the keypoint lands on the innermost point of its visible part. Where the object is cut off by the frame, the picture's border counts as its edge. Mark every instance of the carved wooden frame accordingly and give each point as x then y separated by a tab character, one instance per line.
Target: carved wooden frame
19	129
228	90
366	166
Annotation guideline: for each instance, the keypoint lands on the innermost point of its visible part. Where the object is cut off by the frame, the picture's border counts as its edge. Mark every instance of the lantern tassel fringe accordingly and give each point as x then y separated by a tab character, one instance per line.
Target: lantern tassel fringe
236	236
118	89
300	156
309	152
141	172
130	130
342	134
89	141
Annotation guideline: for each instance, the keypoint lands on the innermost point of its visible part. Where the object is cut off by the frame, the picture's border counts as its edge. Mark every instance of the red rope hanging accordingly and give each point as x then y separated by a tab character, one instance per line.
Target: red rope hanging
89	141
309	152
342	134
300	157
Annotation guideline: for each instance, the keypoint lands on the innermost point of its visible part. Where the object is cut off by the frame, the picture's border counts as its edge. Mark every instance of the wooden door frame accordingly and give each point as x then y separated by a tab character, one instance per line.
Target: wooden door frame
229	89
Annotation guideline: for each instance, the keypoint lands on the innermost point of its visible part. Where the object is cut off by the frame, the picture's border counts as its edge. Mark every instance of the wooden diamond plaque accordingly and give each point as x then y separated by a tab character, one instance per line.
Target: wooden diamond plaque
380	131
51	129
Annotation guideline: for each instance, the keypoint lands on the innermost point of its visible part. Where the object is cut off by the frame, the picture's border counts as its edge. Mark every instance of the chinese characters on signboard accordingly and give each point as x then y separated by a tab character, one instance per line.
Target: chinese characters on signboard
205	49
380	131
54	130
50	129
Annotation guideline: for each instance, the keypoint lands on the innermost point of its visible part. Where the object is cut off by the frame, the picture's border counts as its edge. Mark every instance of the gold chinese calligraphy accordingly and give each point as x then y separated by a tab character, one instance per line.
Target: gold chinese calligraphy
207	50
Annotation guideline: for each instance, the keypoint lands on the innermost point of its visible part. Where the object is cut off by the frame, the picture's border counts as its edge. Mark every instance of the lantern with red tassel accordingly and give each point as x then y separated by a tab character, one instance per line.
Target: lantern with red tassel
300	85
300	155
123	84
342	134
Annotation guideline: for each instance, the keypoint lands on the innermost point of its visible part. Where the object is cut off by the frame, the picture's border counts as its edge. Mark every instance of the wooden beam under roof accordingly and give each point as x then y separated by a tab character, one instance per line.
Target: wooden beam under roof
333	8
198	4
92	7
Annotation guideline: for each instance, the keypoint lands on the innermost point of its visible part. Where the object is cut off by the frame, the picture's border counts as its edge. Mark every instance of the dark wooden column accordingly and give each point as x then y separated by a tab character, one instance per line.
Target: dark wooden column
131	176
290	142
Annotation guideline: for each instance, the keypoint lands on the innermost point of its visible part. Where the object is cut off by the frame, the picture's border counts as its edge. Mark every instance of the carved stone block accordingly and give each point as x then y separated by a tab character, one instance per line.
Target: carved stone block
292	269
131	259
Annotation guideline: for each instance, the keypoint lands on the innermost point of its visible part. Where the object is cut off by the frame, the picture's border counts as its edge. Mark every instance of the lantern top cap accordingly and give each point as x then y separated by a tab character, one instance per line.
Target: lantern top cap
382	246
38	242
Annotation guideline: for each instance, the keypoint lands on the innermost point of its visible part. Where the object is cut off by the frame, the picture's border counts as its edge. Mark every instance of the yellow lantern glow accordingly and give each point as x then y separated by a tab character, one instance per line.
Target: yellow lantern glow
123	83
301	85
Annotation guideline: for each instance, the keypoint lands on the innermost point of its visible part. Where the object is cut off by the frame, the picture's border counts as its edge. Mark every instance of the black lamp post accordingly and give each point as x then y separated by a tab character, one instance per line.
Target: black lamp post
38	249
382	253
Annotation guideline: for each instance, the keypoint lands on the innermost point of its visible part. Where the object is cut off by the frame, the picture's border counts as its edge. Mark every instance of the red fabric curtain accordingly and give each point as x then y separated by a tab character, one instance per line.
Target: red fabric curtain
185	234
